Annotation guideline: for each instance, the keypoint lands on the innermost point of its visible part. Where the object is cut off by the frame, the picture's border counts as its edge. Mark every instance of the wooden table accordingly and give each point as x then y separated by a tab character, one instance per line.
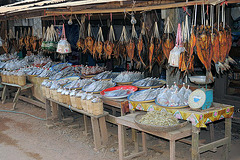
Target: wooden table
19	89
99	128
199	119
128	120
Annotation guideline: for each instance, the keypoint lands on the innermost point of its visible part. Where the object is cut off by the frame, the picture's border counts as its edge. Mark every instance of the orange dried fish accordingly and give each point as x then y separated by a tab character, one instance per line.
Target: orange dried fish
140	49
108	49
80	44
167	44
150	53
130	49
89	42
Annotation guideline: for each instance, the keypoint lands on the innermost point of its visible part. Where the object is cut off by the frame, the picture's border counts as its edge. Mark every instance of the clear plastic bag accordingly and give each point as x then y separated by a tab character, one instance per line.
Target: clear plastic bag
162	98
174	100
186	95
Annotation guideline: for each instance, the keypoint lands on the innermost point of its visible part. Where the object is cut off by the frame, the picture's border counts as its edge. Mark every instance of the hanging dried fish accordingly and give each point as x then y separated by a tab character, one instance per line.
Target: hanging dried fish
98	45
167	40
121	45
141	45
80	42
88	42
131	44
109	44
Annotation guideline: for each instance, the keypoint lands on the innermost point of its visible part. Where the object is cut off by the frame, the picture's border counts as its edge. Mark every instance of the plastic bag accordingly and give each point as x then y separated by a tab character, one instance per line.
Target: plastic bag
186	95
174	100
162	98
63	46
174	56
182	91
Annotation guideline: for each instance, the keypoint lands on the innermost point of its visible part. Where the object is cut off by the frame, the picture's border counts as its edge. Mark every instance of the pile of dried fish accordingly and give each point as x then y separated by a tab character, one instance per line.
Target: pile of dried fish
116	93
105	75
158	118
145	95
60	66
79	83
147	82
98	86
6	57
90	70
129	76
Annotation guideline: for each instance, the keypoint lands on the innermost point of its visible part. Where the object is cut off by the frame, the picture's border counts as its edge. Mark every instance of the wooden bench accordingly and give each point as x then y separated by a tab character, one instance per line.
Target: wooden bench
19	89
99	128
128	120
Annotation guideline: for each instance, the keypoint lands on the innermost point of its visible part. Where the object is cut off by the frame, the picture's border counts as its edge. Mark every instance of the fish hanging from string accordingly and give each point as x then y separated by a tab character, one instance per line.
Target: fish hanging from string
109	44
80	42
89	41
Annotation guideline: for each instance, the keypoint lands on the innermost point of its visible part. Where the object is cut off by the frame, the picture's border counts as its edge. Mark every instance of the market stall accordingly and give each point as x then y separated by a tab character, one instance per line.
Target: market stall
150	61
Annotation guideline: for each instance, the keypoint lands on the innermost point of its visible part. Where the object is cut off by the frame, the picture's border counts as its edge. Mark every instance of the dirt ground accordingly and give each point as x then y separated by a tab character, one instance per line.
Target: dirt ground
26	138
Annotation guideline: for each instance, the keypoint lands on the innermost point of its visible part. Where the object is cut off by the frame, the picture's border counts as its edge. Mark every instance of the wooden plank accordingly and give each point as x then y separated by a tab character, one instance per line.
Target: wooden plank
111	119
85	125
103	129
16	98
29	85
214	144
96	133
4	94
172	149
195	141
135	155
34	102
228	133
144	144
54	111
135	139
120	142
80	111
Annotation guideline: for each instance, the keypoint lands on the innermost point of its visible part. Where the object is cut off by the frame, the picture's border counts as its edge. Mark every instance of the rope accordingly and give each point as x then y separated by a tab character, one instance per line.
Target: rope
24	114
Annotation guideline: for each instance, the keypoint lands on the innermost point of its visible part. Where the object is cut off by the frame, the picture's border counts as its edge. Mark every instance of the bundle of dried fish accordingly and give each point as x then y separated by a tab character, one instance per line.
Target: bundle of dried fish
131	44
60	66
167	40
116	93
79	83
129	76
109	44
147	82
158	118
90	70
80	42
98	45
98	86
120	48
88	42
145	95
141	46
105	75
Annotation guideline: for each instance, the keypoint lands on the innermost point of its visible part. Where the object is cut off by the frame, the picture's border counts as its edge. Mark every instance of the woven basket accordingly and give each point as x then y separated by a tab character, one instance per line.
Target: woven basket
3	77
51	93
21	80
66	99
78	102
73	101
32	78
154	128
84	105
43	88
10	79
89	106
15	80
97	108
54	95
47	92
60	97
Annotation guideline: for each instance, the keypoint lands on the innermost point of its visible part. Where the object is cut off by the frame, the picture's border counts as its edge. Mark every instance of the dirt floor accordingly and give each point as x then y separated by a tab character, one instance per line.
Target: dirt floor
26	138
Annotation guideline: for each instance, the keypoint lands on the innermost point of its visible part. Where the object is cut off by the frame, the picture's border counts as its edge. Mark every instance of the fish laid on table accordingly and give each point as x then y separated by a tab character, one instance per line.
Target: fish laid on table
116	93
147	82
128	76
79	83
98	86
105	75
145	95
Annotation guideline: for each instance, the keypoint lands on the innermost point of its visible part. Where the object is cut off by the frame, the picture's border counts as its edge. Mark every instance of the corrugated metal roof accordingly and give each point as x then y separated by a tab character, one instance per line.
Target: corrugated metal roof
30	5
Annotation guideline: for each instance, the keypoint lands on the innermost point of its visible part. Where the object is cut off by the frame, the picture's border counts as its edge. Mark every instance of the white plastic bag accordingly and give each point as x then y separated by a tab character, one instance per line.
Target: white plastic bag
174	100
63	46
174	56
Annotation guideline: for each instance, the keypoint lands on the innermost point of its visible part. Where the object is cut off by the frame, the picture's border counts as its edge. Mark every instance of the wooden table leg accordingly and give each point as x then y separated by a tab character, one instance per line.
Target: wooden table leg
4	94
85	132
212	137
54	111
195	141
136	141
172	149
228	128
120	142
59	112
48	111
103	129
144	144
16	98
96	133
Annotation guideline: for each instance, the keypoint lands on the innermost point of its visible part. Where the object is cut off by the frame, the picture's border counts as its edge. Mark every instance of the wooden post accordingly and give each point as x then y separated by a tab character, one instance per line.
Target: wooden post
16	98
228	128
172	149
96	133
212	135
59	112
4	94
136	142
120	142
103	128
195	141
85	125
54	111
48	111
144	144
